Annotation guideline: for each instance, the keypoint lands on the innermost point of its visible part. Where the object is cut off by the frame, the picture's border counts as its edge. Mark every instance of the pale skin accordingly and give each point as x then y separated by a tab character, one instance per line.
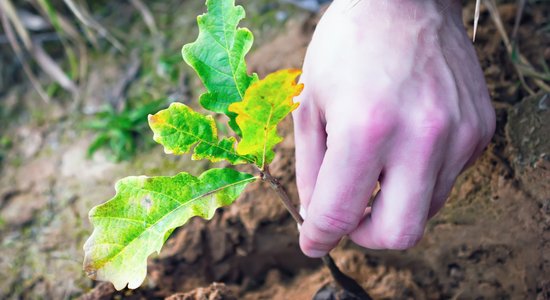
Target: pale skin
393	93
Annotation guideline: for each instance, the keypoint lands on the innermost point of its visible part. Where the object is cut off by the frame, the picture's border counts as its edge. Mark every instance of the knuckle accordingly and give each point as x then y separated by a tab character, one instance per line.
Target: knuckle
469	135
365	131
335	223
314	242
377	123
434	123
401	240
305	117
398	237
380	117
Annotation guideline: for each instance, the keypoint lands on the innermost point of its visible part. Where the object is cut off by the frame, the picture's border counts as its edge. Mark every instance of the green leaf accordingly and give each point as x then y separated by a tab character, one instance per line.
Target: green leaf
178	128
218	57
137	221
266	103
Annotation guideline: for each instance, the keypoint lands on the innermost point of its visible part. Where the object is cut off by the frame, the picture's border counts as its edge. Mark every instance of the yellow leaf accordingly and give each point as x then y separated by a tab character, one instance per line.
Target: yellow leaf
266	103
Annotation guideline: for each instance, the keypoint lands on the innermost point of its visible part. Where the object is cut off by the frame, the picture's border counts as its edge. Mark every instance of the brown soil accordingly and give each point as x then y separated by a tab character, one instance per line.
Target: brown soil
491	241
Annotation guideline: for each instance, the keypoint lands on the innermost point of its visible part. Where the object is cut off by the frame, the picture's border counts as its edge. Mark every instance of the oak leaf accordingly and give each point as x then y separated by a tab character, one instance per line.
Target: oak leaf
266	103
178	128
218	57
143	213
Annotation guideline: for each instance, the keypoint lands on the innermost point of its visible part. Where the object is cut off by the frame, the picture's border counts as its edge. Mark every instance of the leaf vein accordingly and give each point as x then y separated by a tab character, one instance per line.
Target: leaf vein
206	142
182	204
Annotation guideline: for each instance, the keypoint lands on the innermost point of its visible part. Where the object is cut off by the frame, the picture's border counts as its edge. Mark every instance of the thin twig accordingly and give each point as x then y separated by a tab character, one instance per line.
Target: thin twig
279	189
346	282
476	19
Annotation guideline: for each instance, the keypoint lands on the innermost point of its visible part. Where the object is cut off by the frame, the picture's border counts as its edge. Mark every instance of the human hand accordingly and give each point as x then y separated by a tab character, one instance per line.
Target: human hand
393	93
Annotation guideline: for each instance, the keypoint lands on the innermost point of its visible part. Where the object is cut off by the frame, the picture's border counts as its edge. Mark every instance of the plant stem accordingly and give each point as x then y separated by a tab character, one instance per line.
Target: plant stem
346	282
280	190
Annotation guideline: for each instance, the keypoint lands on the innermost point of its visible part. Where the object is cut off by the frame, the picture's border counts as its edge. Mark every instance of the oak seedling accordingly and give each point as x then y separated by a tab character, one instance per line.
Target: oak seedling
145	210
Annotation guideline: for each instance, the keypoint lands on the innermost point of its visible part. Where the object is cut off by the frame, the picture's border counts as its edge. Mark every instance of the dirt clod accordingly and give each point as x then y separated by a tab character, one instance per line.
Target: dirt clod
216	291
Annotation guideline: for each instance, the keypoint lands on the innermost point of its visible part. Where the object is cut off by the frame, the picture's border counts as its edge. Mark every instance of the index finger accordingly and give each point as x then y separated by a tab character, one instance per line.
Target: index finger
347	177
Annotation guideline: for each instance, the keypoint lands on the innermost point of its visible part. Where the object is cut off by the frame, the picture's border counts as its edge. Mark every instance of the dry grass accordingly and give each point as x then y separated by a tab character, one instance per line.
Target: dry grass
540	79
75	31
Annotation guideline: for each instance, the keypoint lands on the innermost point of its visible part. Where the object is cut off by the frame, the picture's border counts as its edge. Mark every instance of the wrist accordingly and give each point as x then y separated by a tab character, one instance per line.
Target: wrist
410	9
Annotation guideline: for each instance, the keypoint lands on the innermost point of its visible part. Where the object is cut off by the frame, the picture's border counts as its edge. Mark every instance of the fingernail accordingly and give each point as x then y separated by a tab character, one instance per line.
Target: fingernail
315	253
303	214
